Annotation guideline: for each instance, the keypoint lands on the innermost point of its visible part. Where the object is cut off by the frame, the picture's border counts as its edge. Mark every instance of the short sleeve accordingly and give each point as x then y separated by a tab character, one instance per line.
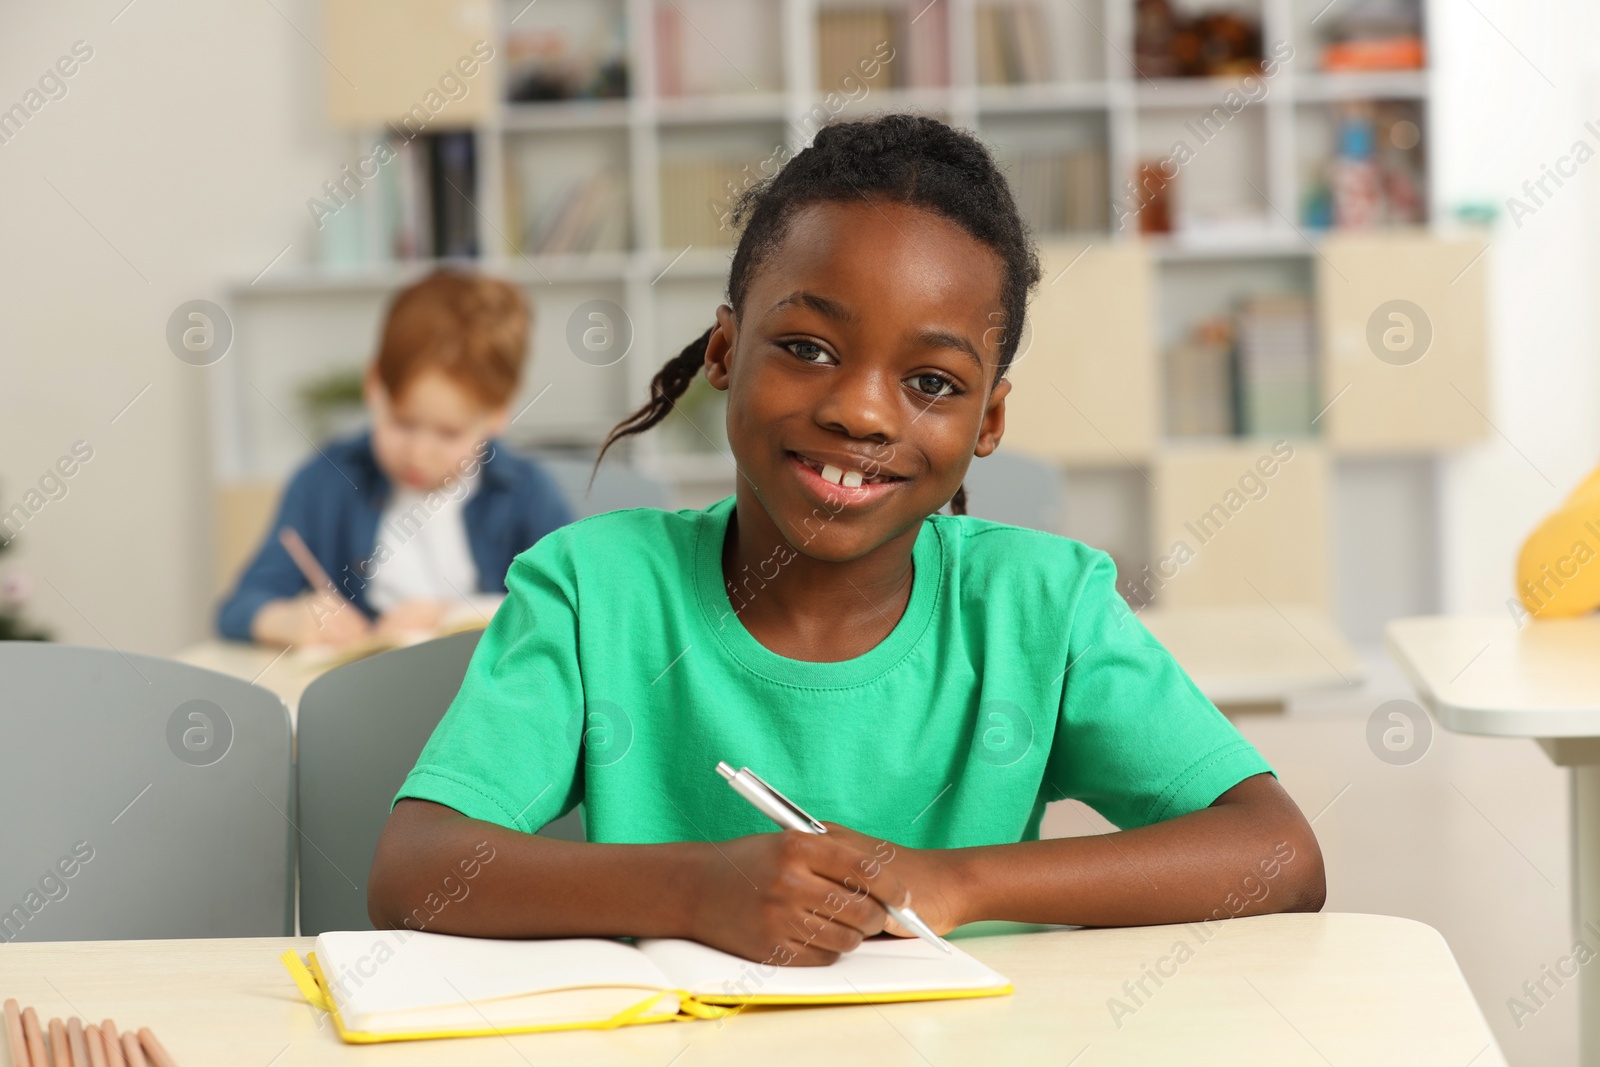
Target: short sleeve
508	750
1136	740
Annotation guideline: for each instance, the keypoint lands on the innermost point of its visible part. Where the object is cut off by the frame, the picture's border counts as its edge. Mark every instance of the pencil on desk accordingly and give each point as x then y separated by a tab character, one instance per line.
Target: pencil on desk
80	1050
154	1049
16	1043
38	1054
60	1051
97	1046
108	1030
130	1050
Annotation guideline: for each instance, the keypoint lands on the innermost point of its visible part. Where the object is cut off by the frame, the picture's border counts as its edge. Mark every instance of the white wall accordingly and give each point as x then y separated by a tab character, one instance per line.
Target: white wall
1499	117
183	153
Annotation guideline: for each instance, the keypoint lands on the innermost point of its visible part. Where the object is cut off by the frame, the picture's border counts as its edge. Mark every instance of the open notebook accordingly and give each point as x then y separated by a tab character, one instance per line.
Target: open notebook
395	985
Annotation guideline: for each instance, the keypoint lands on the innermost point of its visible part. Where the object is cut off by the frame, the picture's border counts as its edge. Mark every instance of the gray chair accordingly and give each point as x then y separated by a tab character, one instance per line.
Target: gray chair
1018	490
616	485
361	728
143	798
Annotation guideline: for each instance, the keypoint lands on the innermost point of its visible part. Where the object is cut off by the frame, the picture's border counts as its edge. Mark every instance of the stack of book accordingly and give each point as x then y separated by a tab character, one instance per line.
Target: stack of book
899	46
1277	387
1013	44
420	204
709	47
696	196
586	215
1199	382
1063	191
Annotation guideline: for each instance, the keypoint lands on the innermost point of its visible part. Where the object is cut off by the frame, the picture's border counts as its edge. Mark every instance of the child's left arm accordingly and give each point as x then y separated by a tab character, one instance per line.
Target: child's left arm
1250	852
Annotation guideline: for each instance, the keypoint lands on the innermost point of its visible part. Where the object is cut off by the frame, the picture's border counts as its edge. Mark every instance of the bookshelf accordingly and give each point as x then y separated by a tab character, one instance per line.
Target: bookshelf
660	101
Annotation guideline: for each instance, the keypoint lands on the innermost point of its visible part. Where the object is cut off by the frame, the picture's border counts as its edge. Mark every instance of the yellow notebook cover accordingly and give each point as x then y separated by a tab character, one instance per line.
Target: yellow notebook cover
404	986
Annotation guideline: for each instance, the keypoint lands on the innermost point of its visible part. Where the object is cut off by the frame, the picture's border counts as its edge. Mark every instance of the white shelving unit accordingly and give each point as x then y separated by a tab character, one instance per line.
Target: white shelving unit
300	321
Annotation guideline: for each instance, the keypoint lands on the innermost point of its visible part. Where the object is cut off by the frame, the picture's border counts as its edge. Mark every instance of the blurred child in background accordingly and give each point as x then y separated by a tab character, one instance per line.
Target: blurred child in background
416	515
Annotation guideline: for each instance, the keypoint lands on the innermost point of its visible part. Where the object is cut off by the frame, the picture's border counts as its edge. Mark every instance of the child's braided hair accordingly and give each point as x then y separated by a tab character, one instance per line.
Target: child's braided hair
908	159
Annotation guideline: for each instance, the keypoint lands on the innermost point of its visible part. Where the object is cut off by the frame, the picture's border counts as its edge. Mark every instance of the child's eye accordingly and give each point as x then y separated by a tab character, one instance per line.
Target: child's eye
809	351
934	385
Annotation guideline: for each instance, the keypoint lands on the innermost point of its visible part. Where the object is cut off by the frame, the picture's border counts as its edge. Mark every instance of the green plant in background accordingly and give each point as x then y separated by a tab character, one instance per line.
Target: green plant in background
333	403
15	589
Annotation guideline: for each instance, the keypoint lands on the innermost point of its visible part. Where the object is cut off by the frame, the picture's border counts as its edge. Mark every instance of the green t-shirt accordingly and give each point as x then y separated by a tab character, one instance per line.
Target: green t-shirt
617	674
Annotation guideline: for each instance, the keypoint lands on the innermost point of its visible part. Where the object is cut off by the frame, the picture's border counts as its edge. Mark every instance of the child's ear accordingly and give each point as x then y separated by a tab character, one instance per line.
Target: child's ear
993	426
373	394
499	418
719	348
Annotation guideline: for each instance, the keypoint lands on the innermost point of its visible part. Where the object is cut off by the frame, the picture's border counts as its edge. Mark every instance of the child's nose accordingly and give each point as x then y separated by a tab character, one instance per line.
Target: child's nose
861	403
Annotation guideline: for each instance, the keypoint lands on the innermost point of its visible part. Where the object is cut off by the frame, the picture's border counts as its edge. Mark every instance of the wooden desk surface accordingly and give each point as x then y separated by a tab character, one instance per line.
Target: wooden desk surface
1485	675
1246	655
283	671
1285	990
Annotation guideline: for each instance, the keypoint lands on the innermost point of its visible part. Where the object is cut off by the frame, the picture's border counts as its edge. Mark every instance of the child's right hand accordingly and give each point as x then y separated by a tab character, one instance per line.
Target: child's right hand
791	898
310	619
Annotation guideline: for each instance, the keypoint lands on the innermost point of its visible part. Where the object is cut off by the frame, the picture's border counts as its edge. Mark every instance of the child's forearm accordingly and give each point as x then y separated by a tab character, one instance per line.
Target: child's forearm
1250	853
439	871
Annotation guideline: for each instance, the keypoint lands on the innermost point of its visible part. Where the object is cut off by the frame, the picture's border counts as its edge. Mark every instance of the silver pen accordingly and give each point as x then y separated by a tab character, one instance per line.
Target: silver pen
789	815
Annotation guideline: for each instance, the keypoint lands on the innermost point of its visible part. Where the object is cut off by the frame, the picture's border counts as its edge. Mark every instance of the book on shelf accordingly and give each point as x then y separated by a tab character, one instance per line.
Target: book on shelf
717	47
420	203
588	214
1199	382
1013	44
1061	191
696	195
1276	352
851	39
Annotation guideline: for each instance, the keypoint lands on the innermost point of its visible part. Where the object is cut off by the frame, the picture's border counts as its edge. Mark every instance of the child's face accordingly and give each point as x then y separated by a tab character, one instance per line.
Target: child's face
431	432
867	343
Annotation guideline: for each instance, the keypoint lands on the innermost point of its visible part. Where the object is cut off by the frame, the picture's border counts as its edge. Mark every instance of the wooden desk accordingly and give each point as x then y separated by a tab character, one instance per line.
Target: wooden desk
282	671
1540	681
1286	990
1253	658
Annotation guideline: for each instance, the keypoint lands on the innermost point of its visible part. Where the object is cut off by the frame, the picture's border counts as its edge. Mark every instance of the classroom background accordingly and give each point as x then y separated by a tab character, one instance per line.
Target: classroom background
1315	348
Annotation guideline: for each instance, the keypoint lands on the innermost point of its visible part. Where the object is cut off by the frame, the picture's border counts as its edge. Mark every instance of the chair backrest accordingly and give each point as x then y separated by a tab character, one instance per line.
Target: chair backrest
143	798
616	485
1018	490
361	728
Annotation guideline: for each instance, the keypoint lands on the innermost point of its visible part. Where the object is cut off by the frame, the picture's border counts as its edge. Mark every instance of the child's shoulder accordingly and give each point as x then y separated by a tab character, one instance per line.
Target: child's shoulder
623	538
986	553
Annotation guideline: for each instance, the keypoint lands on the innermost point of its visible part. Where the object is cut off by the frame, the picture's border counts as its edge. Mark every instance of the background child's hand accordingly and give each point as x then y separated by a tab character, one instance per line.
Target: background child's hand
935	895
791	898
413	616
310	619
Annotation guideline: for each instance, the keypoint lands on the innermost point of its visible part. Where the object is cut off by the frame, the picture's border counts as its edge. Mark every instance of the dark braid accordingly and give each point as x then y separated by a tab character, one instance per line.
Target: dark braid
908	159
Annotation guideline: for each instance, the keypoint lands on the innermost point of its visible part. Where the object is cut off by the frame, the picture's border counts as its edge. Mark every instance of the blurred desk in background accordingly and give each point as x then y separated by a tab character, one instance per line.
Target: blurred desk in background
1248	659
1540	680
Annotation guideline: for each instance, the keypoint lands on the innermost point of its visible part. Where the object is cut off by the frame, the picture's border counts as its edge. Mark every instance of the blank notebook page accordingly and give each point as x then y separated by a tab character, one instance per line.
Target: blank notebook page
426	977
887	966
